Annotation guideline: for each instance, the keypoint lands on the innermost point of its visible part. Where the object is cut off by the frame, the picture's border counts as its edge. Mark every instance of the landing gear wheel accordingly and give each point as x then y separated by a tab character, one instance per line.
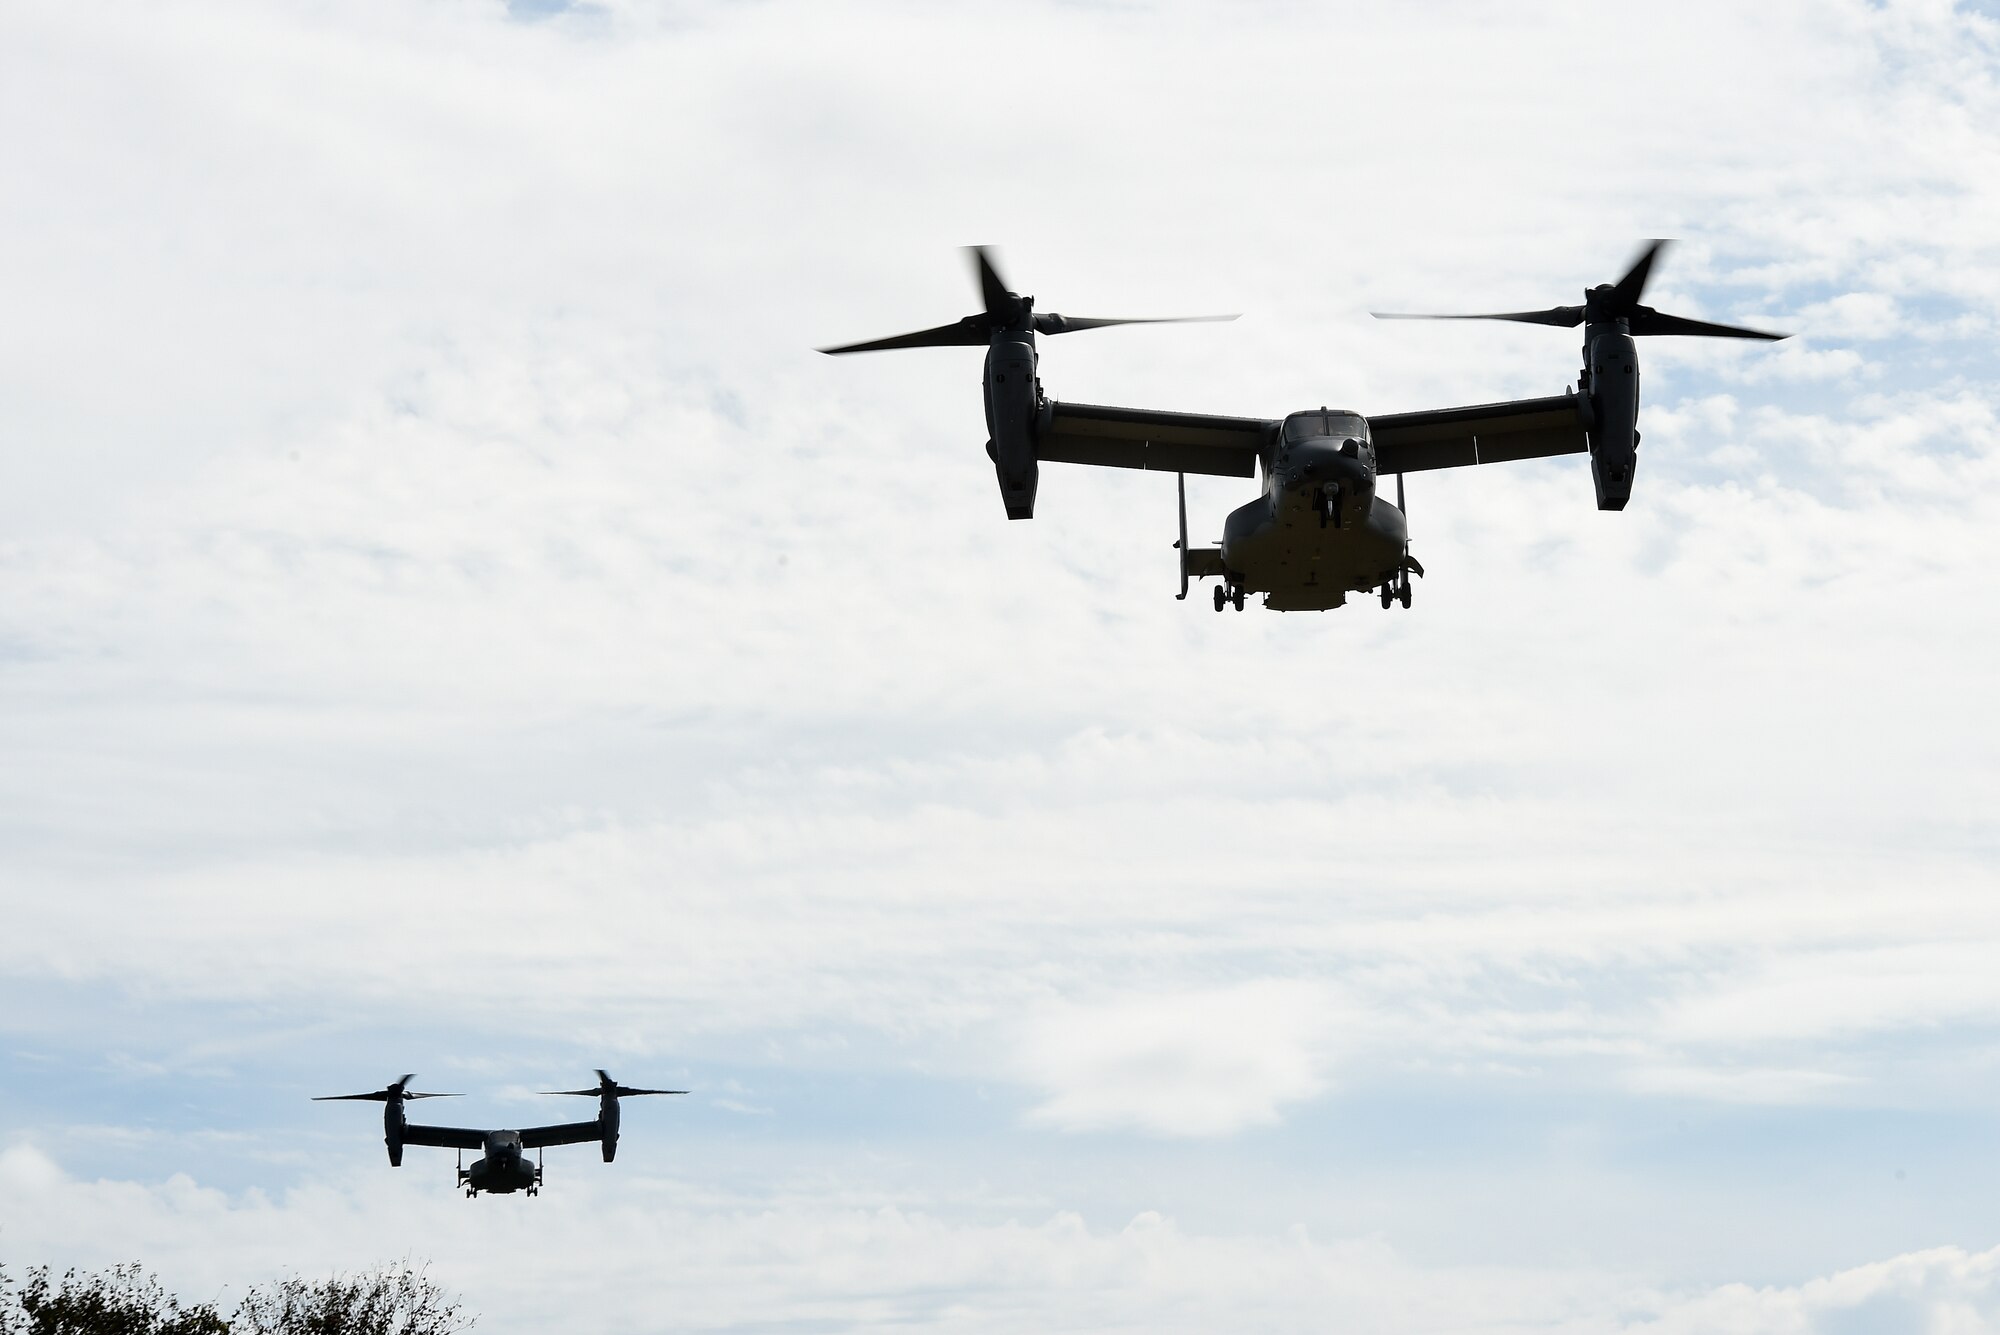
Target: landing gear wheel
1388	594
1221	596
1237	597
1403	594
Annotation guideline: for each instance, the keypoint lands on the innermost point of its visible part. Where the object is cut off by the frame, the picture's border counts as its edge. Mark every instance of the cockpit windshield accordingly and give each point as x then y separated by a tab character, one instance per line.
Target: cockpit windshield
1325	422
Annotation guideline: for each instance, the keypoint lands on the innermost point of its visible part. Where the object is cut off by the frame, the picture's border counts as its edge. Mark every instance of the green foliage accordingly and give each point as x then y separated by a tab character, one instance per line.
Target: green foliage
389	1300
394	1300
122	1301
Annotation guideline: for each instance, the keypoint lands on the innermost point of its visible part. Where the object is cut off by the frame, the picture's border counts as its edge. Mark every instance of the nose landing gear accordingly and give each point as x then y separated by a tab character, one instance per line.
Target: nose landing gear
1329	507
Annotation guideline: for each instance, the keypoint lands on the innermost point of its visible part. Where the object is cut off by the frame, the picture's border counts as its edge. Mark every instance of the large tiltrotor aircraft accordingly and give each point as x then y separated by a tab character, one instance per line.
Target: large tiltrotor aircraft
1320	529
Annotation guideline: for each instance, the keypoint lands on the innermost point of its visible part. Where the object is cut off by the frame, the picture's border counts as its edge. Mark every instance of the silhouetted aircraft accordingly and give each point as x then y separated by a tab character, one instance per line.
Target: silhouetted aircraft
1319	530
502	1165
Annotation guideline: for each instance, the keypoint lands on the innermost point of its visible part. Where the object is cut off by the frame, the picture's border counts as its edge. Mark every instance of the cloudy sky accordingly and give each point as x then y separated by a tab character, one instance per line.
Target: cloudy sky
451	621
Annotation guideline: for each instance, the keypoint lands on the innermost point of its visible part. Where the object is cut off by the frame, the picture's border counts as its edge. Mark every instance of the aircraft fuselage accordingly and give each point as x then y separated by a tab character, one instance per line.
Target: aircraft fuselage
1319	531
502	1167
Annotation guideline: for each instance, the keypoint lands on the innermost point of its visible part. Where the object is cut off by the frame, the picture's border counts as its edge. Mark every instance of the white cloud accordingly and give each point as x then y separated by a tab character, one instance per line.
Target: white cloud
656	1255
1864	315
1886	986
1944	1290
1752	1085
1193	1064
444	602
1794	363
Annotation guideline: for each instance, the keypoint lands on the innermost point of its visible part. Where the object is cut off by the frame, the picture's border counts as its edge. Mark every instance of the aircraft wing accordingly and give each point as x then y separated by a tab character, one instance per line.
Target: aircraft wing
1082	433
569	1133
450	1137
1486	433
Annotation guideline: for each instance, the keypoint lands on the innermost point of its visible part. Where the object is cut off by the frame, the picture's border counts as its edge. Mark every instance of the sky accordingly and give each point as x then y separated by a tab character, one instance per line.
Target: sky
452	621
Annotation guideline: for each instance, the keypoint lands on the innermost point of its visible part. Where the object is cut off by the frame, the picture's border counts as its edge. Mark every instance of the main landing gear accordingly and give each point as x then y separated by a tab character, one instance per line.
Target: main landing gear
1396	589
1227	595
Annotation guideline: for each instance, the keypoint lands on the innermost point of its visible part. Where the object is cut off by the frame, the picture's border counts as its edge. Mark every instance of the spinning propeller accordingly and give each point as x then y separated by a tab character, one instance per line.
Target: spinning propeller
395	1093
609	1088
1608	302
1007	328
1006	312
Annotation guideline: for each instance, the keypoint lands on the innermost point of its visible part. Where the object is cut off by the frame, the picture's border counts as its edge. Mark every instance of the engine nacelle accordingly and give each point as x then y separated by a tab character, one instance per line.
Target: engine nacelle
1011	401
1611	377
392	1128
607	1126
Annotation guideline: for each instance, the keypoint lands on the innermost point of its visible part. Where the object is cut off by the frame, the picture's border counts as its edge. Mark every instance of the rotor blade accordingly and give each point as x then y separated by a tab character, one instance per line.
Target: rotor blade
585	1093
1563	317
618	1091
402	1087
1069	324
399	1088
1633	285
1653	322
381	1096
992	288
969	332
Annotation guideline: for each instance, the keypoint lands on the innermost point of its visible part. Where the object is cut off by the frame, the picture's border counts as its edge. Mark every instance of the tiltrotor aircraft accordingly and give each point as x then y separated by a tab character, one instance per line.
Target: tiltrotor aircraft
1320	530
502	1165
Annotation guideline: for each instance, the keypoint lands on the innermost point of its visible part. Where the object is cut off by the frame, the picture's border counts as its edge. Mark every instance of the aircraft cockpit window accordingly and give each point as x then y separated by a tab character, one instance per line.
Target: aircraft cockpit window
1314	425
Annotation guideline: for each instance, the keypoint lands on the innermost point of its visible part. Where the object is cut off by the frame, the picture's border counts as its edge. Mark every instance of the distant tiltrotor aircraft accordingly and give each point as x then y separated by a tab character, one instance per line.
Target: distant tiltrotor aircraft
502	1165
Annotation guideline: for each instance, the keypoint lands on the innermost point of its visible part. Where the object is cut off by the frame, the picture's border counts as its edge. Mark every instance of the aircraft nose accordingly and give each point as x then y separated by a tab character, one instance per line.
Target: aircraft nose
1323	461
